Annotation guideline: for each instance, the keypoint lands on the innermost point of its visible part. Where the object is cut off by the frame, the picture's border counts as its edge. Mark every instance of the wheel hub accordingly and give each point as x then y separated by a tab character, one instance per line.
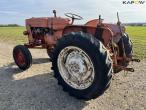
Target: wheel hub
75	67
20	58
75	64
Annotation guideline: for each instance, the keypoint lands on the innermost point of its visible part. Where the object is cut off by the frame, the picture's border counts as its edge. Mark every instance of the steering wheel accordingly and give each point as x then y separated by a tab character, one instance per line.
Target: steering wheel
73	17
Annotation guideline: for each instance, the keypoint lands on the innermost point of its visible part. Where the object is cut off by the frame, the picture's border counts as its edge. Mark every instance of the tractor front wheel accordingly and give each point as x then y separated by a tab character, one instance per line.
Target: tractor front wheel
82	65
22	57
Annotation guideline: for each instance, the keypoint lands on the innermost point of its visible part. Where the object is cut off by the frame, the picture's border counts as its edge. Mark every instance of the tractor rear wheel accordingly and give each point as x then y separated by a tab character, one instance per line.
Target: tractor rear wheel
49	52
127	46
128	51
82	65
22	57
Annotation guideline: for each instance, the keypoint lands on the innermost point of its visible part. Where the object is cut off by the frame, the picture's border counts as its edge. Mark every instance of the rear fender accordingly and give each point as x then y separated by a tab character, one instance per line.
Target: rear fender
79	28
106	32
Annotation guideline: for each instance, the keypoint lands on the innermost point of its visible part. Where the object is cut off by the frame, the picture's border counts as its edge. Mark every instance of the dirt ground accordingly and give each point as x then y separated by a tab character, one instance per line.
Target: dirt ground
37	89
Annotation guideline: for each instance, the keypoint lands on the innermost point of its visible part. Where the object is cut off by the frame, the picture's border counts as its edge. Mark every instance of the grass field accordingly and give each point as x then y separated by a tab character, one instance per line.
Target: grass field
138	37
15	35
12	35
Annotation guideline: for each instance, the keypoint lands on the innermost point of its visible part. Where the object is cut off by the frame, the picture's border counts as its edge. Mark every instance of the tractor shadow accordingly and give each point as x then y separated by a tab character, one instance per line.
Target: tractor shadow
40	60
38	92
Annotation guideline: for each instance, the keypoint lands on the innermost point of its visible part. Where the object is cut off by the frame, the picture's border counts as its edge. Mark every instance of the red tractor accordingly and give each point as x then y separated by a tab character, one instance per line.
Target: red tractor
83	57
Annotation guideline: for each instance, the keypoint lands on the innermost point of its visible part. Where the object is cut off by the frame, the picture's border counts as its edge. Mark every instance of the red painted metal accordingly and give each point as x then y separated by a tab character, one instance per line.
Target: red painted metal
20	60
58	26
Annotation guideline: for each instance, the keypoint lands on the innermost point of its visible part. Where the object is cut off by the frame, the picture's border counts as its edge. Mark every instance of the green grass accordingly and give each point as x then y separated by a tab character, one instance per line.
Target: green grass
138	37
12	35
137	34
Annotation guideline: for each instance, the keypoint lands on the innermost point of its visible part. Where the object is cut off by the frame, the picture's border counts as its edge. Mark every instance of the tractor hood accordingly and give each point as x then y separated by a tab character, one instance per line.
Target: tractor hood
50	22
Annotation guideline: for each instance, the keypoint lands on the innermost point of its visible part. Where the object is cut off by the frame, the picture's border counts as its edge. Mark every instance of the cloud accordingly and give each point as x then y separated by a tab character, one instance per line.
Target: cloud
9	12
88	9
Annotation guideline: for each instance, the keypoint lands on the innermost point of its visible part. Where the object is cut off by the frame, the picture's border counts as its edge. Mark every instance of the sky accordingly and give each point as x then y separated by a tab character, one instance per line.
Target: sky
16	11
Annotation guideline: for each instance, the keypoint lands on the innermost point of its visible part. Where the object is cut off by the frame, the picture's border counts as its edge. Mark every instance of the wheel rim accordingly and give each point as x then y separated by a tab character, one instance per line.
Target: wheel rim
19	58
76	67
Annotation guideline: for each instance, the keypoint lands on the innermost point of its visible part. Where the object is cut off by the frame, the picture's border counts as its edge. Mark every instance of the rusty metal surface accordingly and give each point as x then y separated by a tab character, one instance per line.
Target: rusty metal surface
57	27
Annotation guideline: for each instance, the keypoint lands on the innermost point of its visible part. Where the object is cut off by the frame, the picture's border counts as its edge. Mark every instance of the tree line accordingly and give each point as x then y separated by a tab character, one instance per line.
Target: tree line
9	25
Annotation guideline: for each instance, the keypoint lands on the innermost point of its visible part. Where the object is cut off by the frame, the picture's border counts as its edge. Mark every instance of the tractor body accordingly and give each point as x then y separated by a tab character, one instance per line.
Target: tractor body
46	31
83	57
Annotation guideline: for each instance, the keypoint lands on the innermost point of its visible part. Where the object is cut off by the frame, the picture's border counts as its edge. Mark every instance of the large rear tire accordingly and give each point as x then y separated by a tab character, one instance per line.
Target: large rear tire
128	51
22	57
82	65
127	46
